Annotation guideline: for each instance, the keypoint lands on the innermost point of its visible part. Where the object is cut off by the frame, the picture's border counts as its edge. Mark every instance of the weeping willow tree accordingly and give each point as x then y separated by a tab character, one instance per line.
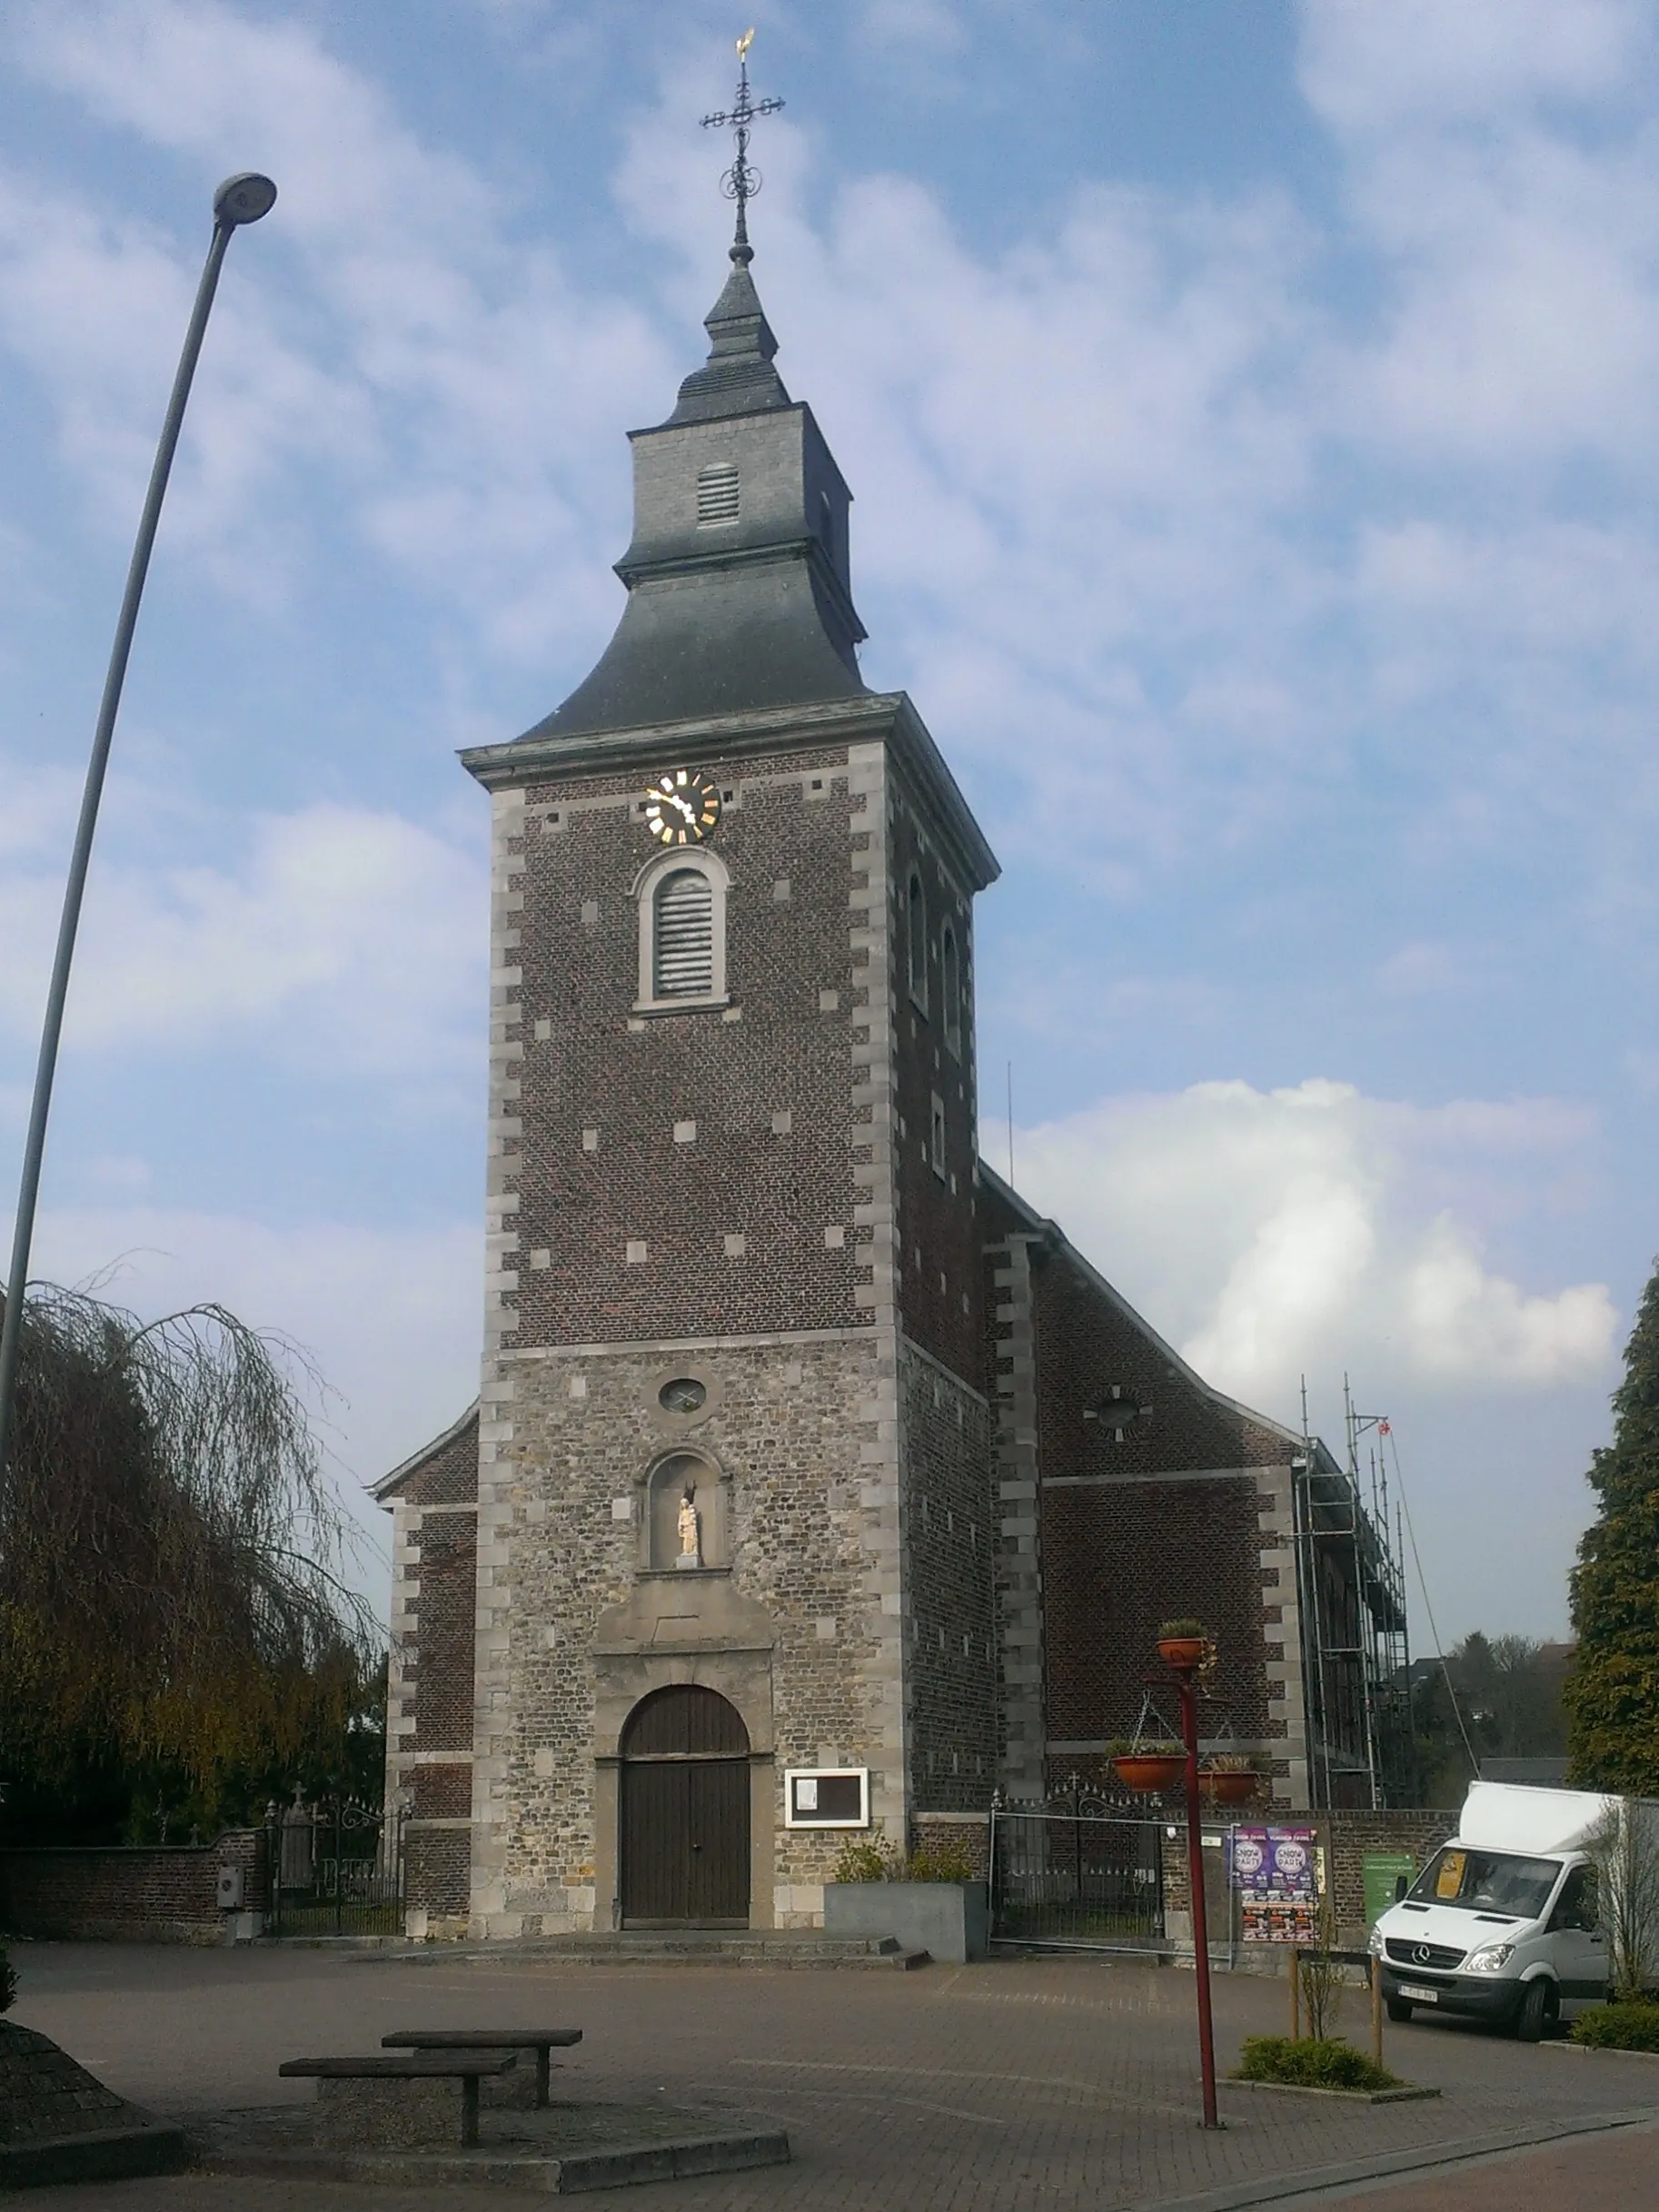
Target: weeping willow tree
170	1554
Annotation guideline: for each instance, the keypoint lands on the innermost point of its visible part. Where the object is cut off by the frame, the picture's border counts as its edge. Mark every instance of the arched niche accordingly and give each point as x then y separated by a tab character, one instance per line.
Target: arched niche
669	1481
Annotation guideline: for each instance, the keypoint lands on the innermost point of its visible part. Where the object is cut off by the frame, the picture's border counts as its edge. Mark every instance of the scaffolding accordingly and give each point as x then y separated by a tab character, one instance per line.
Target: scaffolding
1351	1600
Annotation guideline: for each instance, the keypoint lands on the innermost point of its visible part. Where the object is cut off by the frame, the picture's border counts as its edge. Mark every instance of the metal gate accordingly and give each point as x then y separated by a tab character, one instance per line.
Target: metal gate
1076	1876
335	1869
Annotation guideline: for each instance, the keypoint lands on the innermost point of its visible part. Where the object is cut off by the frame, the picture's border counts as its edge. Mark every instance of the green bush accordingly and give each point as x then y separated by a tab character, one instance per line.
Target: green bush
874	1861
1182	1628
8	1983
1322	2063
939	1862
1623	2027
869	1861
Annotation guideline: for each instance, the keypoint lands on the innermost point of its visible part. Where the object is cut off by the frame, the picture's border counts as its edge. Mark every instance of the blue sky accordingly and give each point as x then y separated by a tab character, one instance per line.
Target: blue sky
1252	412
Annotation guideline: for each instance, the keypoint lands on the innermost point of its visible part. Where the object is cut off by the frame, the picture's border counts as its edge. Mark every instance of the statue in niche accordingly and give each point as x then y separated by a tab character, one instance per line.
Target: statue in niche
690	1539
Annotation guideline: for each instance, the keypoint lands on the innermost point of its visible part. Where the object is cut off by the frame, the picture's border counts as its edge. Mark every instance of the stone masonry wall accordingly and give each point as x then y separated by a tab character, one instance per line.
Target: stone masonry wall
780	1425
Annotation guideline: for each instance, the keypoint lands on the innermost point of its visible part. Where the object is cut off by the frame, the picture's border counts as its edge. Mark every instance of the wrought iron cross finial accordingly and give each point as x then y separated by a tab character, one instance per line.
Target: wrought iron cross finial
743	180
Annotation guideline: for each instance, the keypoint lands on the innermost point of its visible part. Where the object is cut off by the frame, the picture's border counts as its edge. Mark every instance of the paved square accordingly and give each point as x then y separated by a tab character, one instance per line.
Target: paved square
1064	2081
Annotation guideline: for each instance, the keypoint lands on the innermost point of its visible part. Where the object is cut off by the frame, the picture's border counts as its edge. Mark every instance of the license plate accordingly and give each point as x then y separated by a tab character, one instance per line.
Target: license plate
1417	1996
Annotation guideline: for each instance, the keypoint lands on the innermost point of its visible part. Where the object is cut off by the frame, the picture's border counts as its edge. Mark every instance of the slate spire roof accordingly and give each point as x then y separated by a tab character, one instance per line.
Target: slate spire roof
738	378
742	602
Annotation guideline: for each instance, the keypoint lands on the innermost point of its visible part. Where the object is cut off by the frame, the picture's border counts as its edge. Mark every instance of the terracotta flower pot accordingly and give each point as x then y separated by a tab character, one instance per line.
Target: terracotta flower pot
1150	1771
1229	1788
1182	1653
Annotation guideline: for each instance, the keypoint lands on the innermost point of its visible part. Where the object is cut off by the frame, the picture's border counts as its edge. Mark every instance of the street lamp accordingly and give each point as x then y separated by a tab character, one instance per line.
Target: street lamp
240	199
1183	1657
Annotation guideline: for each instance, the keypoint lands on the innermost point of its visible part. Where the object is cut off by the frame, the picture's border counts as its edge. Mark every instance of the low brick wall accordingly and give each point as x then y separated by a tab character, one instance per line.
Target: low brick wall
1346	1835
163	1893
967	1832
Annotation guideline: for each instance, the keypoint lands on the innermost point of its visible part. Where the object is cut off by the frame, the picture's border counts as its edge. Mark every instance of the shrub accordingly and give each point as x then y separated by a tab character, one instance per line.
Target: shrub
8	1983
1632	2025
875	1861
867	1861
1326	2062
940	1862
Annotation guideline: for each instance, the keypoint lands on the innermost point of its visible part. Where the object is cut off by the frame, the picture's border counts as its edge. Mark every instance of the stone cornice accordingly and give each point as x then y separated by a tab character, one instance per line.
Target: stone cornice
885	716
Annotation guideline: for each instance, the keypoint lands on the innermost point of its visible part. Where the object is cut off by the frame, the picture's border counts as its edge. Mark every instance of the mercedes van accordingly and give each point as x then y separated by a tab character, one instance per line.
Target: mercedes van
1502	1924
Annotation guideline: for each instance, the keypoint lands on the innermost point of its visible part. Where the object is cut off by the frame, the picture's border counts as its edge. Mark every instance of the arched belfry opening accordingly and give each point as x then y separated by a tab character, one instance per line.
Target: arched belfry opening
685	1824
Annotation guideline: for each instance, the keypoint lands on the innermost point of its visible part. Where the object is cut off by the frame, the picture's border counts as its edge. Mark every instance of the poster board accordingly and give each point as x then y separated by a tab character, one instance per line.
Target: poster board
1275	1872
826	1797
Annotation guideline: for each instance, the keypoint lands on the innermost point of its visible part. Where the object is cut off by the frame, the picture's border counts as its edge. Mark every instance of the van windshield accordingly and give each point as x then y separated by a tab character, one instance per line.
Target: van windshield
1487	1882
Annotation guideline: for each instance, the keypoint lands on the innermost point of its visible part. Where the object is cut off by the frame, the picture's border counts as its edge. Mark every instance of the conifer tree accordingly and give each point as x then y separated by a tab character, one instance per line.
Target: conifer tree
1613	1693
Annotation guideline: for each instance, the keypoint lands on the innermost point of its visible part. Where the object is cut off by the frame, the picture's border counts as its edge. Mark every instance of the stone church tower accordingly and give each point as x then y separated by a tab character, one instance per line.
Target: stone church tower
734	1477
817	1486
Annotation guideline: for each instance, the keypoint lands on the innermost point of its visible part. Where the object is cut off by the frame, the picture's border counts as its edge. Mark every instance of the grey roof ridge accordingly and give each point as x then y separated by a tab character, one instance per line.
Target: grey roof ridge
1052	1232
387	1483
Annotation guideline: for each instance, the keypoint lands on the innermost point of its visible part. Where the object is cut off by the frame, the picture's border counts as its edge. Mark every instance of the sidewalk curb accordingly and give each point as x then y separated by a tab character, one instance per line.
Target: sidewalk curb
1325	2181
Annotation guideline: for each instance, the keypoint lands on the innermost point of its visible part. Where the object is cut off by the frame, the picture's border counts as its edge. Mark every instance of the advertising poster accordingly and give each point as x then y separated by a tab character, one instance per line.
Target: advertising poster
1274	1871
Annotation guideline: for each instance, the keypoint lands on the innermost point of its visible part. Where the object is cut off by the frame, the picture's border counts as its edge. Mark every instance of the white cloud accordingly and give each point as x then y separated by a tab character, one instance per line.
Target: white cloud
1304	1230
391	1317
347	938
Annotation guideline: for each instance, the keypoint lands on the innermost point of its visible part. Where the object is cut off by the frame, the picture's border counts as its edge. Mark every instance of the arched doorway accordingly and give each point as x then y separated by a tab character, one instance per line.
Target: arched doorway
685	1811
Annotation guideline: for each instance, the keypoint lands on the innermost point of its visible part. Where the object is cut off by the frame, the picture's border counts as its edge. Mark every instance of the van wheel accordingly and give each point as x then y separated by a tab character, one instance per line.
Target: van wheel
1536	2013
1399	2008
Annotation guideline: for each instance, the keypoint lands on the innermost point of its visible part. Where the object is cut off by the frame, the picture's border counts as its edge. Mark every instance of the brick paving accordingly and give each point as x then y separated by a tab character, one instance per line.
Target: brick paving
1063	2082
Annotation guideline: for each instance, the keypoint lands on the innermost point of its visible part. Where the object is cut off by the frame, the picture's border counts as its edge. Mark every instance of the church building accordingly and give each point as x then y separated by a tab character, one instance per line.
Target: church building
816	1487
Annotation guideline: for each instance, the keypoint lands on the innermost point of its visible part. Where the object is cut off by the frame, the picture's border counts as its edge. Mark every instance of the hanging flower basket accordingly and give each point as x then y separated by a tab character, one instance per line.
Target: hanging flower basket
1182	1653
1149	1772
1229	1785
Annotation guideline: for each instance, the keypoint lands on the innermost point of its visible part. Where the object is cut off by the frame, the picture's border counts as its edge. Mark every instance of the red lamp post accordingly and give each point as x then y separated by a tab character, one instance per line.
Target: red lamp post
1195	1876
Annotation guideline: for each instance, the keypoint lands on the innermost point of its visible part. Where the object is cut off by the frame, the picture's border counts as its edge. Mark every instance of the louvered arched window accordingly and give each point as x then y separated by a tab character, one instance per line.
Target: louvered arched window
682	932
716	493
682	952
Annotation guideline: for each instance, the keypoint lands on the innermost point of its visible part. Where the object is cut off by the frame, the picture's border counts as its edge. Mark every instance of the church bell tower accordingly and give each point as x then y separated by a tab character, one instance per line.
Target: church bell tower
735	1580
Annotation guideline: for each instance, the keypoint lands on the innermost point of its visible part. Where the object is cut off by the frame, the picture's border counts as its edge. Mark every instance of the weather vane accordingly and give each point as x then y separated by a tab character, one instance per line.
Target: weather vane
743	180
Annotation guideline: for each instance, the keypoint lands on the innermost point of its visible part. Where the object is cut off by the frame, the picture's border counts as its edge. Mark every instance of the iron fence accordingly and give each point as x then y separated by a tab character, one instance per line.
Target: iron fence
1075	1877
335	1869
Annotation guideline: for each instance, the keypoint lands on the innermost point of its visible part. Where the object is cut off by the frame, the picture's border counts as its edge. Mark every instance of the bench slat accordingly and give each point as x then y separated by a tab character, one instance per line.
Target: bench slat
483	2039
420	2066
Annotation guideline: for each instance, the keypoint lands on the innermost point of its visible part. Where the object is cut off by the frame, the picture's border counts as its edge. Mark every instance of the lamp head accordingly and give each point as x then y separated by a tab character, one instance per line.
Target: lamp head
244	198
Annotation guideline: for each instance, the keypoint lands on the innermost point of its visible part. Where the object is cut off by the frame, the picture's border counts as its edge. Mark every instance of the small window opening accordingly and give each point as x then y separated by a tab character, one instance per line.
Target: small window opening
716	493
918	943
682	964
936	1140
950	990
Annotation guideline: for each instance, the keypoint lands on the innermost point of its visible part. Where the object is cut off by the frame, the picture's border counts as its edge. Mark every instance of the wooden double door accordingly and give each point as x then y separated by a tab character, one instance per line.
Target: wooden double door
685	1812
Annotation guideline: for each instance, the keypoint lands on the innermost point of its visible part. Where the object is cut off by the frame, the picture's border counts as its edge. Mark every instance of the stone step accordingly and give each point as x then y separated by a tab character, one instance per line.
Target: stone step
806	1948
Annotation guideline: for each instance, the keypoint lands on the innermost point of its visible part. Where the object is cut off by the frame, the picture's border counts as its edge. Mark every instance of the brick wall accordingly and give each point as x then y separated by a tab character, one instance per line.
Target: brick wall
724	1078
949	1523
1131	1495
1344	1835
429	1734
161	1894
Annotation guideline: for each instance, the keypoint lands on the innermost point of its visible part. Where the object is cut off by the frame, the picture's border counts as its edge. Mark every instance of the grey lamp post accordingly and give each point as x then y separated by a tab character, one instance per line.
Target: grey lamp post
239	199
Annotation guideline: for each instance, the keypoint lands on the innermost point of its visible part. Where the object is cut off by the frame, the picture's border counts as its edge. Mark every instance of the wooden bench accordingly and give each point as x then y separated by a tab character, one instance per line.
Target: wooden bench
541	2041
468	2067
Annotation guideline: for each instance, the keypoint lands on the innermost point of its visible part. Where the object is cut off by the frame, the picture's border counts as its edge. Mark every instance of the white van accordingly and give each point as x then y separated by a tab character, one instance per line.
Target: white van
1501	1925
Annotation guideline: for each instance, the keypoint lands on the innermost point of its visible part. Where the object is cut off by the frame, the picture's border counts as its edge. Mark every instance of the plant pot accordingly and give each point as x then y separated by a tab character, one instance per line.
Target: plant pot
946	1919
1229	1788
1182	1653
1151	1772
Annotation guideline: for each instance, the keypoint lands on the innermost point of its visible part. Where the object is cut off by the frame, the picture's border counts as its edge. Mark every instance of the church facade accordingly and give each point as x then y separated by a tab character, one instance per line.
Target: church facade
816	1485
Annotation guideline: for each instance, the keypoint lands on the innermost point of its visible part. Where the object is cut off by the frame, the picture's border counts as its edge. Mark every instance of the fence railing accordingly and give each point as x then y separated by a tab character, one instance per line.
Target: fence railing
1075	1877
335	1869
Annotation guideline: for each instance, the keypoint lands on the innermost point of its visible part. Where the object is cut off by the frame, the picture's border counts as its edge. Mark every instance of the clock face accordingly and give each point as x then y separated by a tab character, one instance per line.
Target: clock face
681	808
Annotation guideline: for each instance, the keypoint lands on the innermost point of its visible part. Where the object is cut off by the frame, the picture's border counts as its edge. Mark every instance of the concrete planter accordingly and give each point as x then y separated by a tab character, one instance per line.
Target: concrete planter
950	1919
